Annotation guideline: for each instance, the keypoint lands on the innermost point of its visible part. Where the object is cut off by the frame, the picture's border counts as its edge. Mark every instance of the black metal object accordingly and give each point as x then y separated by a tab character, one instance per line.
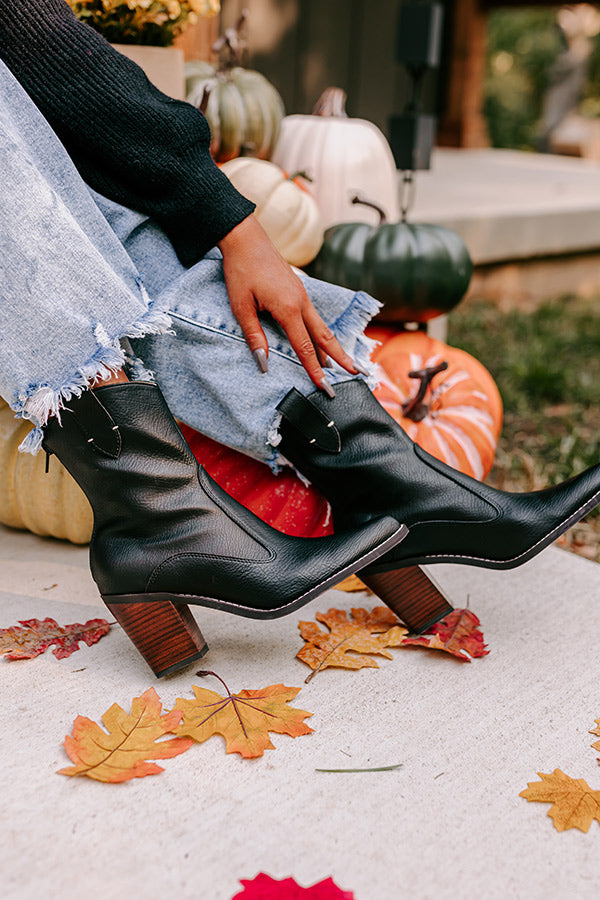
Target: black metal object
419	34
412	133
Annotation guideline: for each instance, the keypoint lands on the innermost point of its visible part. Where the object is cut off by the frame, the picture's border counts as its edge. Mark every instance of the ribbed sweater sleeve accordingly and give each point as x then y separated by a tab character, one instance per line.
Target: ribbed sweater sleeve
129	141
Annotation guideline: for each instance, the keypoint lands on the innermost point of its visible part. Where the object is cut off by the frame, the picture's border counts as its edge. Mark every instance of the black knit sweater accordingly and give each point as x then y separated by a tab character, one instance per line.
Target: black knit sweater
128	140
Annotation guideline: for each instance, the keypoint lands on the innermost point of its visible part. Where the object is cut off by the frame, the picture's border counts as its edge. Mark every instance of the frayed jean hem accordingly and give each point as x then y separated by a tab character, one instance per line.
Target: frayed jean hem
41	401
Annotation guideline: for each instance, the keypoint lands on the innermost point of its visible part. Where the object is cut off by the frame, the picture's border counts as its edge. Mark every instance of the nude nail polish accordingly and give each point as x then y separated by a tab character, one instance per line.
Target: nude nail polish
361	370
260	358
327	387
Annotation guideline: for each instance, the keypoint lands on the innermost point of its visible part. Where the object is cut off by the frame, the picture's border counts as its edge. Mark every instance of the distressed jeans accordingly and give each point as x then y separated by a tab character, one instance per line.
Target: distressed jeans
79	274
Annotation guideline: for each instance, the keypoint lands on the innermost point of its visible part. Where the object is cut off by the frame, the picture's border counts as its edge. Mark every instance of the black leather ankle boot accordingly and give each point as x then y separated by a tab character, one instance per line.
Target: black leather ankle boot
165	533
367	466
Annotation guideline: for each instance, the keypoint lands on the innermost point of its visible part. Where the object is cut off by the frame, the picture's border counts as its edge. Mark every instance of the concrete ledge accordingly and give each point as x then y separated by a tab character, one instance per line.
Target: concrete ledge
525	284
509	205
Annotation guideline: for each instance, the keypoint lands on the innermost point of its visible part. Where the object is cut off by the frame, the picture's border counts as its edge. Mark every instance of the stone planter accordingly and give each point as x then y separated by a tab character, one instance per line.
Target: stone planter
164	66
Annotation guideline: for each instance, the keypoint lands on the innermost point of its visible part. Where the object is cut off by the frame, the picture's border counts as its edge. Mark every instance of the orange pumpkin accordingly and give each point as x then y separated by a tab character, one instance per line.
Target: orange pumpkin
454	413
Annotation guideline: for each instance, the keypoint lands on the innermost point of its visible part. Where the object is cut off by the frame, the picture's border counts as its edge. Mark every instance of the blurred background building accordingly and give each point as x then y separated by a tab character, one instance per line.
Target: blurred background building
511	73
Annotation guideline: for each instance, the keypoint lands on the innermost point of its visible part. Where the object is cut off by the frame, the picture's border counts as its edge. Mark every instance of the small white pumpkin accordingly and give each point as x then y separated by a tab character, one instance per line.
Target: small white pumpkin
344	158
289	214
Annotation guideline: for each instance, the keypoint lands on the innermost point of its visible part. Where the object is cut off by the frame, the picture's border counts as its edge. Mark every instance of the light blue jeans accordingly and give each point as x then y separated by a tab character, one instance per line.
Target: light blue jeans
79	274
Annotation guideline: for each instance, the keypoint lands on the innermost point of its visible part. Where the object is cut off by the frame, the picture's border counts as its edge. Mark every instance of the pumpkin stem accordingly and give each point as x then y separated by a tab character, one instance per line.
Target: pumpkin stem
300	174
332	102
231	45
414	408
356	200
205	98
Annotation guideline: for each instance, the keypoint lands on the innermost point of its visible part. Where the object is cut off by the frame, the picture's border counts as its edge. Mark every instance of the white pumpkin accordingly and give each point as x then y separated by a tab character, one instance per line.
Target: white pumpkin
46	503
344	158
289	214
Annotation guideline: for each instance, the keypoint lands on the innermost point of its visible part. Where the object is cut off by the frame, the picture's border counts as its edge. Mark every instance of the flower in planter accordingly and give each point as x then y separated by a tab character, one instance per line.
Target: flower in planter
155	22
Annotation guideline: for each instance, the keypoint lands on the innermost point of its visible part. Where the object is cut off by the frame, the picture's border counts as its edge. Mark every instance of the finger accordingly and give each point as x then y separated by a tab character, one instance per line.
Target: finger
290	319
326	342
323	358
244	309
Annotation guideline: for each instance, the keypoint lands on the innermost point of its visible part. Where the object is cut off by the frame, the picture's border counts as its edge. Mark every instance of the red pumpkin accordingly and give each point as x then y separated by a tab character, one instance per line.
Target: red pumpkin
282	501
456	415
458	420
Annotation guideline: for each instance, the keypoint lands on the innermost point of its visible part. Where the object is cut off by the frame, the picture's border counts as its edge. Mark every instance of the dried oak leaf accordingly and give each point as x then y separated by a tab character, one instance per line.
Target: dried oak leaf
575	804
36	635
243	719
348	640
263	887
458	633
120	753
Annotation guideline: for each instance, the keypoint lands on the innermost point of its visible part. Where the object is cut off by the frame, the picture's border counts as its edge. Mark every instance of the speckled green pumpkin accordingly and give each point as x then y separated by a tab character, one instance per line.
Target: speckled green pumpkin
417	271
244	110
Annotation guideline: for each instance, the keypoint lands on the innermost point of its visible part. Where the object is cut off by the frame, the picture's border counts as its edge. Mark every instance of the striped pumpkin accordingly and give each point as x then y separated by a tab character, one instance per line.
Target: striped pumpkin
459	418
243	109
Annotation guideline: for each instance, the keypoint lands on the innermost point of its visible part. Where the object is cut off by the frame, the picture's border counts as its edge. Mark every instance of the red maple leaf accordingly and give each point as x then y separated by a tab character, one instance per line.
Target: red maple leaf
263	887
458	633
36	635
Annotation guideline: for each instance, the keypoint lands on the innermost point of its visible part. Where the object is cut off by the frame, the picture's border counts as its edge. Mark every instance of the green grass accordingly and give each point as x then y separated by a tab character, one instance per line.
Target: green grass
547	366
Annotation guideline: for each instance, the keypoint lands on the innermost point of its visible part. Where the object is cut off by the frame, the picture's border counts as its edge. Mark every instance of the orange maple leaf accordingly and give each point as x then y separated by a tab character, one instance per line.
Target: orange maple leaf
352	584
596	730
36	635
457	634
348	641
575	804
120	753
243	719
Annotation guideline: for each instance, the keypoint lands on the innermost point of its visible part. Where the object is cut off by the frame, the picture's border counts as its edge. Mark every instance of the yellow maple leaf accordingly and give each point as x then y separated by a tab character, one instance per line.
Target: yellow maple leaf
120	753
575	804
244	719
348	641
596	730
352	583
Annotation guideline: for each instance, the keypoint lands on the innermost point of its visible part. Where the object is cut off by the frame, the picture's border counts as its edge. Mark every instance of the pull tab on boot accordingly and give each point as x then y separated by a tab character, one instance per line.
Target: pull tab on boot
316	427
97	424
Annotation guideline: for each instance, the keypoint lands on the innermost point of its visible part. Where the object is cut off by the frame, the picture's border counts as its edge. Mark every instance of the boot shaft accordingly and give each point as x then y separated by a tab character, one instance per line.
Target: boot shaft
123	447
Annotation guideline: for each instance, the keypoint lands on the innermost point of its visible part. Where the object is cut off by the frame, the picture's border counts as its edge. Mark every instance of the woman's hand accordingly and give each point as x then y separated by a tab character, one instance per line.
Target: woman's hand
259	279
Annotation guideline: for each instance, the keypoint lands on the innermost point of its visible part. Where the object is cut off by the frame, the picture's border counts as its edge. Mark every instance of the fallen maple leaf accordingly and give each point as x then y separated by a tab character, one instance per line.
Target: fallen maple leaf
457	634
36	635
352	583
596	730
348	640
575	804
263	887
120	753
243	719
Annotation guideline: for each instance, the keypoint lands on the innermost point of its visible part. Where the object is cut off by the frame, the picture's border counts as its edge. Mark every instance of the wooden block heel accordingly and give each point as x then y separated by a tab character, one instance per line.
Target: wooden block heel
411	594
165	633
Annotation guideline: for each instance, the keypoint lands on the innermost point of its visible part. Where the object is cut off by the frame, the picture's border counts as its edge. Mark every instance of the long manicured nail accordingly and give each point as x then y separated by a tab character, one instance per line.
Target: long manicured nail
361	370
261	360
327	387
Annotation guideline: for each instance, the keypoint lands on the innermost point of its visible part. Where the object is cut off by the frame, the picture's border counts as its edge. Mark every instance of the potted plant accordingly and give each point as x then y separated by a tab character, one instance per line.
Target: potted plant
144	30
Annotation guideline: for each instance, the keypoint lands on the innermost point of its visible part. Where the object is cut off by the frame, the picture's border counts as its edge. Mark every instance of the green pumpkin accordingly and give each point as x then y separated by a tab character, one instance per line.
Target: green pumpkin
243	109
417	271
